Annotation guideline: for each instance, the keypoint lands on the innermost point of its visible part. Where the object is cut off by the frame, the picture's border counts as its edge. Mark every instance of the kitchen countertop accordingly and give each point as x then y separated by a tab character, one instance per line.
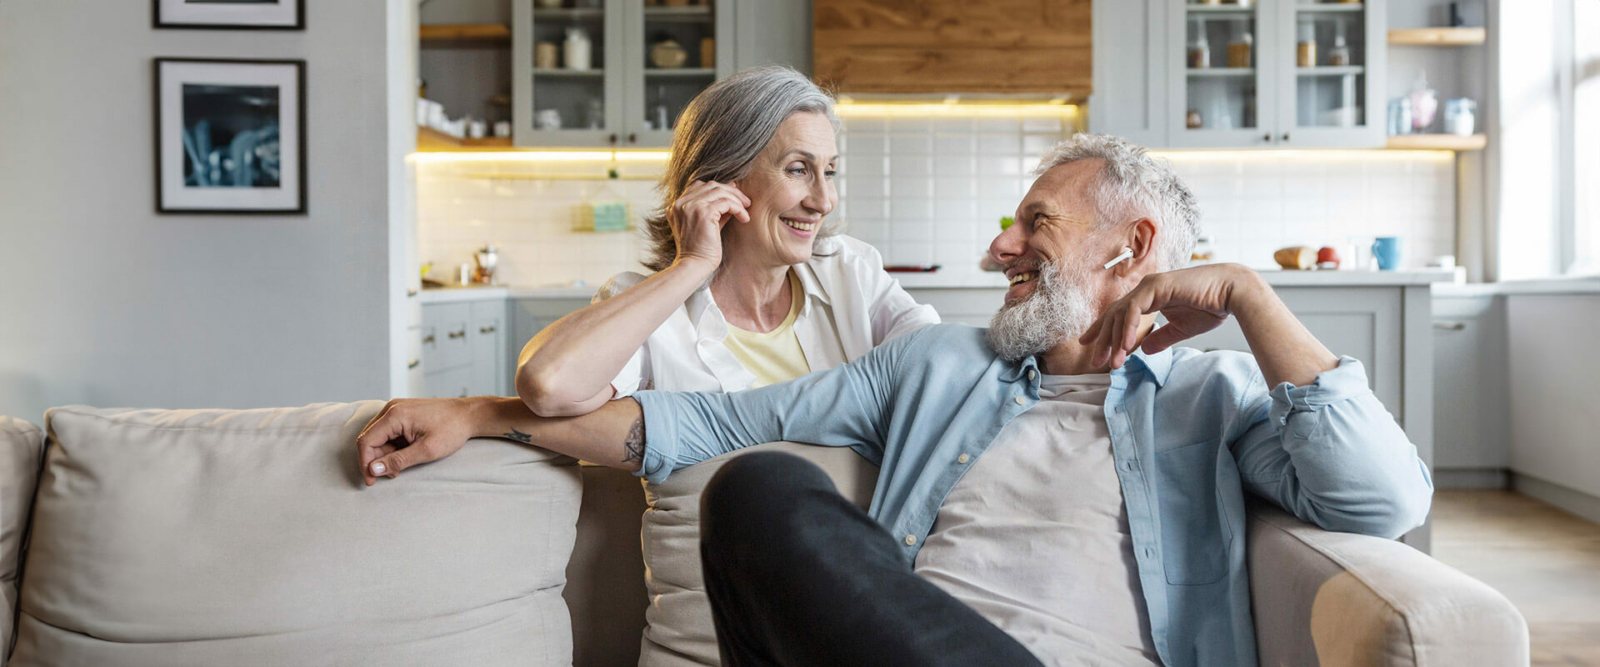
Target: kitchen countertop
1440	278
1589	285
1418	277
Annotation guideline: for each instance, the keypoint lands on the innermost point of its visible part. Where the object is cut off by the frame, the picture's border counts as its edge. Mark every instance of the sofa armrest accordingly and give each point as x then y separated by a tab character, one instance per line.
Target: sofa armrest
1327	598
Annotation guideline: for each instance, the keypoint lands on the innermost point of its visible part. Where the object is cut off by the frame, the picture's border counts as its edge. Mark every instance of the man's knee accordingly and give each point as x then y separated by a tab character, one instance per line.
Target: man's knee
753	493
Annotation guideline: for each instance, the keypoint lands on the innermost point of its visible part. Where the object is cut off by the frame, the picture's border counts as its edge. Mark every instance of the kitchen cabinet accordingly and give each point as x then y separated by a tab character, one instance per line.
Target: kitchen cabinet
463	349
1471	388
622	98
1130	71
1251	91
953	46
1275	73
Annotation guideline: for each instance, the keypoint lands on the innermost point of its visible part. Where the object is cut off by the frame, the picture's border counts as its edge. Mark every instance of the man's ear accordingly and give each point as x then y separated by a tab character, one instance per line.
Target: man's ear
1141	238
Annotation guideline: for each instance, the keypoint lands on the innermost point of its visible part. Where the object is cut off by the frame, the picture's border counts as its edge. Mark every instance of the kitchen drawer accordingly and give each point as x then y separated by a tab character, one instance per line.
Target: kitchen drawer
452	383
446	339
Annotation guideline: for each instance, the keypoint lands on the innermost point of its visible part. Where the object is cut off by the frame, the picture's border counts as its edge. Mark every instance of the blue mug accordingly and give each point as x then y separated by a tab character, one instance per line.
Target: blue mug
1387	251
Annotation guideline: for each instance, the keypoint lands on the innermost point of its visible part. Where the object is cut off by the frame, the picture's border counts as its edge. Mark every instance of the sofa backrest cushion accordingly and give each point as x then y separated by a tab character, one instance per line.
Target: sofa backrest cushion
210	537
680	631
21	444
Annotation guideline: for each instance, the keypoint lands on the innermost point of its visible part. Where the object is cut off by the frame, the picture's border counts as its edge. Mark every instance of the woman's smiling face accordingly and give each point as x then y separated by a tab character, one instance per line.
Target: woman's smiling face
791	189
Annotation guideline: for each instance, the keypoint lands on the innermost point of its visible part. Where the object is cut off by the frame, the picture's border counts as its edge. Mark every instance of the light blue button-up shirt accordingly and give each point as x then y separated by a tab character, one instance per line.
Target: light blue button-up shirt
1191	432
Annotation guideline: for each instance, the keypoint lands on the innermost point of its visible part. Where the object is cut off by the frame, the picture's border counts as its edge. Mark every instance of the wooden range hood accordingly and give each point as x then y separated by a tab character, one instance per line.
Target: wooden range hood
951	46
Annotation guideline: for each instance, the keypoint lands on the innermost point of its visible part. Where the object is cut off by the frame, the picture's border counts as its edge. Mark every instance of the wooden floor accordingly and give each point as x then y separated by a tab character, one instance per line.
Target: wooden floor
1547	562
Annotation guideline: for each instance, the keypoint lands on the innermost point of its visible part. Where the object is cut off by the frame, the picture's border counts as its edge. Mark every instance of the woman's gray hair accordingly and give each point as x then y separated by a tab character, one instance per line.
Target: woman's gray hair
720	134
1133	184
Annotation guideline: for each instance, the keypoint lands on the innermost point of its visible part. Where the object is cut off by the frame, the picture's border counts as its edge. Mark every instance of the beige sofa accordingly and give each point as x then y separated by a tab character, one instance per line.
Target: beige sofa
206	537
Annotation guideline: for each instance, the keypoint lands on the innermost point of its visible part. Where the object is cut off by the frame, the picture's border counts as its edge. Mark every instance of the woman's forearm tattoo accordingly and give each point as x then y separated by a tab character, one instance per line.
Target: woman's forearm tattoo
634	443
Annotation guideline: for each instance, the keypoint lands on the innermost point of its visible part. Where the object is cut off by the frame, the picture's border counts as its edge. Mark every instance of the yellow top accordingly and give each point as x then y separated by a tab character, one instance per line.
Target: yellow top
774	356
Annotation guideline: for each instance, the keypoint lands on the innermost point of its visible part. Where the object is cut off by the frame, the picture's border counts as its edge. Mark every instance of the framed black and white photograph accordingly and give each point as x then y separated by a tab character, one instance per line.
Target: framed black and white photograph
230	136
231	14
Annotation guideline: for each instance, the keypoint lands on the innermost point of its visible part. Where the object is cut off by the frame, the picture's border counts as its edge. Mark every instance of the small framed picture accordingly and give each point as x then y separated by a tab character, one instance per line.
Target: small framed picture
230	136
231	14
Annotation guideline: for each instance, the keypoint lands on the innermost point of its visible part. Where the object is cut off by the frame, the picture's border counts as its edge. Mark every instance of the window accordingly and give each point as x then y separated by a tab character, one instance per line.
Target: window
1583	188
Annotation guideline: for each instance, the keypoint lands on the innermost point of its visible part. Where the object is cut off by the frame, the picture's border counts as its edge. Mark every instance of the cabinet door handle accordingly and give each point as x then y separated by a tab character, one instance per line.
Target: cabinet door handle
465	391
458	334
413	364
1266	138
486	330
1285	136
613	138
1450	326
428	339
633	138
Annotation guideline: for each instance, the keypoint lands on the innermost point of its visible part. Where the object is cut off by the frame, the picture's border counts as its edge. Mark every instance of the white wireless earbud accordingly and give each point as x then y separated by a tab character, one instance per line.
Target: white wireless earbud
1127	253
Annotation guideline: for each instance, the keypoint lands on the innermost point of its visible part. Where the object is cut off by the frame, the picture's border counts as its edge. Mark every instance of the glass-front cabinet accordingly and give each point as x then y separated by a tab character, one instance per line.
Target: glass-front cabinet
1275	73
613	73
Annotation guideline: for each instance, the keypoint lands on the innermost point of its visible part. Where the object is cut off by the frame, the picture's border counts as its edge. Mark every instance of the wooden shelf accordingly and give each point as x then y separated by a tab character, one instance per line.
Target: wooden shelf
1330	70
1221	71
430	140
680	71
465	32
574	73
1439	142
1439	36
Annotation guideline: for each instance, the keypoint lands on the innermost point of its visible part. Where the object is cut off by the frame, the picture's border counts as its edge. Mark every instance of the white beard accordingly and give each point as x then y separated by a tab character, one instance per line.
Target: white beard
1057	310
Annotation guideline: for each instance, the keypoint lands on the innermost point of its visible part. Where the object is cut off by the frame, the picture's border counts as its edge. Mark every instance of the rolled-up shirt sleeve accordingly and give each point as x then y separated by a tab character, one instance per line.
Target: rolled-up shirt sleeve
1331	454
843	407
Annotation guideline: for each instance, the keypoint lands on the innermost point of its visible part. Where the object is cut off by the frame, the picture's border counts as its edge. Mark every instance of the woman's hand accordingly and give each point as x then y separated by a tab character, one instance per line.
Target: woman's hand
698	215
412	431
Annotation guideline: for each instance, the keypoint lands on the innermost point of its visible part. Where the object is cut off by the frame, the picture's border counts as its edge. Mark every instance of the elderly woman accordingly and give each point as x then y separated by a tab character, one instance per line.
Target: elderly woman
751	286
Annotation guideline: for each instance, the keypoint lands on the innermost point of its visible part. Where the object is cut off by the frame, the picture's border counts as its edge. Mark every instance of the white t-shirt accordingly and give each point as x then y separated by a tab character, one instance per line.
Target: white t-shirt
1034	537
851	306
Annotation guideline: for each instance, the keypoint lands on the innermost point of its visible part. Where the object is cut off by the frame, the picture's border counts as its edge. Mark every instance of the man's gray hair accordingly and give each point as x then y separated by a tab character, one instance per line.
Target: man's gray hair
720	134
1133	184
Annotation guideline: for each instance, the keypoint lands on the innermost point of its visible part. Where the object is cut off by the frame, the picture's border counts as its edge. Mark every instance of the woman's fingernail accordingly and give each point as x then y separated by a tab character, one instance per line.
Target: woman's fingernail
378	468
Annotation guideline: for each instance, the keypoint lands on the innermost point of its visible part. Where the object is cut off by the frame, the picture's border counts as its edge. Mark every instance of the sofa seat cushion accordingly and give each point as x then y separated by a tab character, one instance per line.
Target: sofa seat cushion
680	631
212	537
21	445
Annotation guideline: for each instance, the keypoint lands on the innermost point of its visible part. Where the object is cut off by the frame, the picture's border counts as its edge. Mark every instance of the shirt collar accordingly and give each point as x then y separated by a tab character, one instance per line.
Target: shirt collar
1158	365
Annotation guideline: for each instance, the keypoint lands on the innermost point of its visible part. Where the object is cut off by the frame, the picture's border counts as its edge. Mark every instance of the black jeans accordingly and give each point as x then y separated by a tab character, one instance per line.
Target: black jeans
799	576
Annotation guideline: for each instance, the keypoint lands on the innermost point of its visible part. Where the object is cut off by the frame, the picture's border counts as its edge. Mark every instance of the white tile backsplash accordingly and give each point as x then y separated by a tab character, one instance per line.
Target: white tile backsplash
928	191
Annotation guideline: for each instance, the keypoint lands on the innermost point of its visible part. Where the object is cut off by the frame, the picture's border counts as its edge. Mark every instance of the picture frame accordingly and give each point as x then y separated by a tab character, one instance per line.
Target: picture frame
230	136
229	14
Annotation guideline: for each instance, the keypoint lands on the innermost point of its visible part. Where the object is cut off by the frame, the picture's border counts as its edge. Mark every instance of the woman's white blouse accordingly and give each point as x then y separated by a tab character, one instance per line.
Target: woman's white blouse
851	306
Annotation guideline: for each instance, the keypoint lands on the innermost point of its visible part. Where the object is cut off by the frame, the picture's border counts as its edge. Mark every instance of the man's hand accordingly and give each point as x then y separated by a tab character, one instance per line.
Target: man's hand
409	432
1194	301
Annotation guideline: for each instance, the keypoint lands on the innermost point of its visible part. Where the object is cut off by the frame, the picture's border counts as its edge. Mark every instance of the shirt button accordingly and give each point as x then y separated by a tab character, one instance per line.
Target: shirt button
1149	553
963	458
1127	465
1020	401
911	540
1031	374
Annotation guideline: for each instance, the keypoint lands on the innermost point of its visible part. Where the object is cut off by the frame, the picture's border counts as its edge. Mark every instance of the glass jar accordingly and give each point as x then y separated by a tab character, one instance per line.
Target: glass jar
1306	48
1240	50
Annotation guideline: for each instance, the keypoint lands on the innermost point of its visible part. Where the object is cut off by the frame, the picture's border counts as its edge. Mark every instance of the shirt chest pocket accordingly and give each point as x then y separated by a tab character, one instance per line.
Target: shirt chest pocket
1195	536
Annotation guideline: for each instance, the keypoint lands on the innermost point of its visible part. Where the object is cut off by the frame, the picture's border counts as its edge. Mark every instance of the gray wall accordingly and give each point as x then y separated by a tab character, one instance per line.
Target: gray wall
102	301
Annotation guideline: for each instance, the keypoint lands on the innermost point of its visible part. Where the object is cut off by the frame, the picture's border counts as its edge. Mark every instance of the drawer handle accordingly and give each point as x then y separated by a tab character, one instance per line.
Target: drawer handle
428	339
458	334
413	364
1450	326
410	293
486	330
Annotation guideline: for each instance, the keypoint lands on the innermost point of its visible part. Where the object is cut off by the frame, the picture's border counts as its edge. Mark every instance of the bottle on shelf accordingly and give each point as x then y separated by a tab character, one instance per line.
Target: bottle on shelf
1200	49
1306	48
1242	47
1339	54
577	49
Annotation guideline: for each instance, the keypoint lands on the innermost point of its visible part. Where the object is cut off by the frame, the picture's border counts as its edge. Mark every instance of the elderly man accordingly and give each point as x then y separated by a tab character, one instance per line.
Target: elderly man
1061	487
